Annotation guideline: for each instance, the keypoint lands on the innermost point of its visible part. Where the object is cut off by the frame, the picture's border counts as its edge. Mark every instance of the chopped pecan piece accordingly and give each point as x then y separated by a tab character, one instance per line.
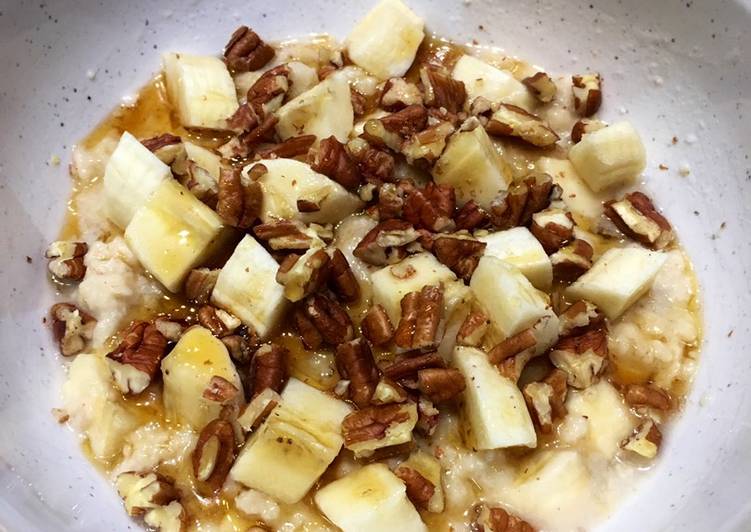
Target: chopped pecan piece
496	519
302	275
238	204
470	216
582	357
460	254
427	416
440	384
513	345
67	260
512	121
269	368
579	317
407	122
419	489
342	280
541	86
649	395
546	399
398	93
390	201
241	345
284	234
523	199
635	215
309	335
384	244
374	164
406	367
473	329
645	441
219	322
441	90
333	160
377	327
214	454
72	328
421	314
330	322
135	361
171	517
246	51
354	360
220	390
156	144
572	261
388	391
553	227
424	148
431	207
372	422
143	491
290	148
587	91
200	283
584	126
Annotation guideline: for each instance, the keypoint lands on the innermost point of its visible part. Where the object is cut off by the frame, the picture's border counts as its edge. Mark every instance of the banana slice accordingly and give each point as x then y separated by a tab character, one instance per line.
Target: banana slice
324	110
131	176
247	287
372	499
385	42
206	159
618	279
609	157
187	370
493	405
201	90
173	232
482	79
578	197
287	454
471	164
520	248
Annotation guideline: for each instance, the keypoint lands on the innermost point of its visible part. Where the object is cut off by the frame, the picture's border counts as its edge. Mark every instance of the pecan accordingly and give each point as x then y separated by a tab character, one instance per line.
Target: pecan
241	345
359	103
292	147
333	160
460	254
390	201
136	359
582	357
431	207
302	275
398	93
214	454
371	423
309	334
584	126
645	441
427	416
237	204
246	51
513	345
199	285
266	94
473	329
587	91
421	315
541	86
470	216
384	244
354	360
424	148
439	384
572	261
553	227
144	491
170	517
516	206
342	280
165	140
579	317
377	327
407	367
637	218
546	399
374	164
496	519
258	409
545	334
407	122
218	321
649	395
269	368
419	489
284	234
512	121
67	260
441	90
328	319
220	390
242	120
72	328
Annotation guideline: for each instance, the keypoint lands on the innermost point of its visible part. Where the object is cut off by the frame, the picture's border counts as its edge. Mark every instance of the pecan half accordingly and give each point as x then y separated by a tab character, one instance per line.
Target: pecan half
407	367
284	234
214	454
546	399
246	51
441	90
72	328
375	165
220	390
431	208
419	489
553	227
582	357
219	322
513	345
302	275
635	215
470	216
377	327
541	86
333	160
584	126
421	314
473	329
288	149
460	254
66	260
269	368
398	93
384	244
237	204
200	283
342	280
516	206
329	321
407	122
136	359
354	360
587	91
372	422
512	121
440	384
572	261
143	491
649	395
645	441
579	317
496	519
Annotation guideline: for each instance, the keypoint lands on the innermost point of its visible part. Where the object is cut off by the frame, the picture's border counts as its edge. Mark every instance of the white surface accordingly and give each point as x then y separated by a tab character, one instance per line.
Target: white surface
696	88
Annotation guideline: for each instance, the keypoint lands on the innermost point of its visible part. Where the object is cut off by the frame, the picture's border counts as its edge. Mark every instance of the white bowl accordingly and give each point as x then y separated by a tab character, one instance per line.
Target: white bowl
673	68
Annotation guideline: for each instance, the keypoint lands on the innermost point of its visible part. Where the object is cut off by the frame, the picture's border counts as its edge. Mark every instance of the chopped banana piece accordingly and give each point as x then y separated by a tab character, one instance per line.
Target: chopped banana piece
578	197
372	499
482	79
201	90
618	279
494	406
206	159
609	157
471	164
247	287
385	42
520	248
173	232
131	176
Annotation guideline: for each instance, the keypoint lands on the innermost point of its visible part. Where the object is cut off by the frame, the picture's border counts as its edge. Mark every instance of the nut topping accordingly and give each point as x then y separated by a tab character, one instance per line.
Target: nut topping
512	346
290	148
322	320
584	126
546	399
553	227
572	261
377	327
461	254
421	315
473	329
541	86
372	422
214	454
354	360
170	518
144	491
218	321
238	204
302	275
374	164
580	317
636	216
407	367
136	359
342	280
649	395
470	216
269	368
398	93
431	207
241	346
333	160
419	489
67	260
582	357
404	123
220	390
441	90
645	441
424	148
165	146
516	206
496	519
72	328
384	244
199	285
587	91
285	234
512	121
439	384
246	51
